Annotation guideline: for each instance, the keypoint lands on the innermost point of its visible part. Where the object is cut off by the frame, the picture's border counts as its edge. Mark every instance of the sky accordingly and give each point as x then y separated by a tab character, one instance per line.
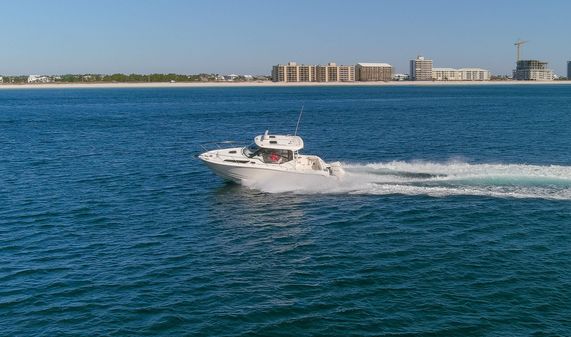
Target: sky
249	36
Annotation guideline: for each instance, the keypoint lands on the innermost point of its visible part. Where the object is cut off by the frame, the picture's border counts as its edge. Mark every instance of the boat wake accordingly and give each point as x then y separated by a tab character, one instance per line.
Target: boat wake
438	180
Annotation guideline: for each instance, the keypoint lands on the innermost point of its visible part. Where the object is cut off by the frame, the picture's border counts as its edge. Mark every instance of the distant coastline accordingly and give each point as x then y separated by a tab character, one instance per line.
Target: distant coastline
268	84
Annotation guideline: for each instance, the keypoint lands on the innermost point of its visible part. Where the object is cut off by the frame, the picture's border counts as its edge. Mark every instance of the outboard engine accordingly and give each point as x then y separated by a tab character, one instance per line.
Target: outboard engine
336	170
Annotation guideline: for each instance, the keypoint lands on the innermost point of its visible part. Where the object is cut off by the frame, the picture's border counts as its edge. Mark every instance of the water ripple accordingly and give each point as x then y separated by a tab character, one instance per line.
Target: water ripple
454	220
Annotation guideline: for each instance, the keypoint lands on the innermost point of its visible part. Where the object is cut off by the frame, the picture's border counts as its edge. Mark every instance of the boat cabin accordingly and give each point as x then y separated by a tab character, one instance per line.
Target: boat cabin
274	149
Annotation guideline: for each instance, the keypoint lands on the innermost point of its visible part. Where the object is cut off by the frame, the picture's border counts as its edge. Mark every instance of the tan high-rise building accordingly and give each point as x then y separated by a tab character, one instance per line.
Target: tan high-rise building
346	73
421	69
326	73
334	73
278	72
307	73
373	72
292	72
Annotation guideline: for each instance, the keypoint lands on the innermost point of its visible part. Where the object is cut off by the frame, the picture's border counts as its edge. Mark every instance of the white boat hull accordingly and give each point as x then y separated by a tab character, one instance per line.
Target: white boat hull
253	175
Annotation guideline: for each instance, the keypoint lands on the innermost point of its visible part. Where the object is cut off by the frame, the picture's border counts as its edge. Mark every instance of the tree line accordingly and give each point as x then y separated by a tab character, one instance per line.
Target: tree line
133	78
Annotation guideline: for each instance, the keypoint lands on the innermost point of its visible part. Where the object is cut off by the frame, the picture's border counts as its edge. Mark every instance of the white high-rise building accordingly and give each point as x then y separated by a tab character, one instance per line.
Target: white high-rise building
475	74
446	74
463	74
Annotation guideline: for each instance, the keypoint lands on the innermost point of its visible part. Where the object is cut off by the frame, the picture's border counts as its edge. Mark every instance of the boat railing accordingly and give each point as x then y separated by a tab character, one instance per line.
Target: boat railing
217	145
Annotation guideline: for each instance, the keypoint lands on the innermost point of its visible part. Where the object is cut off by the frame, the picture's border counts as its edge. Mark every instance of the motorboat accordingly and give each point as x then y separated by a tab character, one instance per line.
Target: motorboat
269	157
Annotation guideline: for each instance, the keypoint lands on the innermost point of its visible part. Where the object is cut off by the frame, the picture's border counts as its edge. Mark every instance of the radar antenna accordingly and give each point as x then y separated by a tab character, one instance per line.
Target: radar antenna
298	120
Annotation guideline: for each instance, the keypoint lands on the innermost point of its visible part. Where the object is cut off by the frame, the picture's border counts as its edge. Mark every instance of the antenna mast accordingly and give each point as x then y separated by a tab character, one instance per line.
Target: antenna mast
298	119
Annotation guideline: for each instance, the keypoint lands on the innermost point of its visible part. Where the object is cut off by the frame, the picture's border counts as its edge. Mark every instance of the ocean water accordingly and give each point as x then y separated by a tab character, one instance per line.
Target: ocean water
454	218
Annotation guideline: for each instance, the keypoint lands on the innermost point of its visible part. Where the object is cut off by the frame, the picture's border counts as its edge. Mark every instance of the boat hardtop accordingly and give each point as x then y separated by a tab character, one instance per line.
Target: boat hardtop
279	142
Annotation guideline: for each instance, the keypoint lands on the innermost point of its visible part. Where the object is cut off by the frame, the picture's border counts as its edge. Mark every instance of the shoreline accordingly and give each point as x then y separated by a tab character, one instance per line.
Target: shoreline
269	84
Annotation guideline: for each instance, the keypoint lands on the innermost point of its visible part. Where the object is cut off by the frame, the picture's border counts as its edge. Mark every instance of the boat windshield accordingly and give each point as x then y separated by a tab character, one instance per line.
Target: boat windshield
251	150
268	156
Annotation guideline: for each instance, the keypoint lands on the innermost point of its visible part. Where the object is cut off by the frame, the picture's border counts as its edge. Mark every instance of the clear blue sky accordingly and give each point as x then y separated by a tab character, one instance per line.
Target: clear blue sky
249	36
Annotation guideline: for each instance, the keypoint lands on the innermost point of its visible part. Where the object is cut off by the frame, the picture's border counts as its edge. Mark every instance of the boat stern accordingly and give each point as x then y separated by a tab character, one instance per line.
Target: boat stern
336	170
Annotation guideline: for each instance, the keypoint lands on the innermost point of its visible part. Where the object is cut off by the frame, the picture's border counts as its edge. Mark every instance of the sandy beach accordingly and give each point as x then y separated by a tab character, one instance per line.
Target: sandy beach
266	84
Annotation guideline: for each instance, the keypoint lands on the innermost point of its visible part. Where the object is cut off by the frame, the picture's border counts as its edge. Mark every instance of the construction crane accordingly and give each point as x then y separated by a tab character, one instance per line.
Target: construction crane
518	45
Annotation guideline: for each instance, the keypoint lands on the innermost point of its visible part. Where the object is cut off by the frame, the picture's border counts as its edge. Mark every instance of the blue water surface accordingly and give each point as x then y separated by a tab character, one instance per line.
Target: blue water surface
455	218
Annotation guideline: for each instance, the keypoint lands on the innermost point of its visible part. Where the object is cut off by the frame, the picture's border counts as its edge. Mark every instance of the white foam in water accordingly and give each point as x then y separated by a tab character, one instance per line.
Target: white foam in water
439	180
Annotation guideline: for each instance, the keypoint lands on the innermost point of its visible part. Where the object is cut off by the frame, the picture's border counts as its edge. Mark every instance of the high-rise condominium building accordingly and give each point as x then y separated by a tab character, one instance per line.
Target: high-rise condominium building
334	73
463	74
421	69
346	73
292	72
532	70
446	74
373	72
569	70
475	74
